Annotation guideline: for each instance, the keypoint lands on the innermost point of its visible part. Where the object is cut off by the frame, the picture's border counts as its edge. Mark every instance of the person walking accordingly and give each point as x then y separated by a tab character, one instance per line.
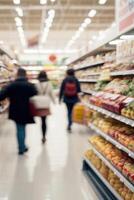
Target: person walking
70	88
44	87
19	93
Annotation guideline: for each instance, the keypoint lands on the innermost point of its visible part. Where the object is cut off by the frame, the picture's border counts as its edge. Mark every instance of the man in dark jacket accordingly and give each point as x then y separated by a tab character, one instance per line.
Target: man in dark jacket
69	90
19	93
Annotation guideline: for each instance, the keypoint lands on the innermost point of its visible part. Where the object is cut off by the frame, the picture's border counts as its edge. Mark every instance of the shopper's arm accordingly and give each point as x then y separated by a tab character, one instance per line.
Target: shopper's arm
51	93
61	91
32	90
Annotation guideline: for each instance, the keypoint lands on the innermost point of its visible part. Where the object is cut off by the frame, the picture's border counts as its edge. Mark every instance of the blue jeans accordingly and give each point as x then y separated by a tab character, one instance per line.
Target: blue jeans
21	137
69	110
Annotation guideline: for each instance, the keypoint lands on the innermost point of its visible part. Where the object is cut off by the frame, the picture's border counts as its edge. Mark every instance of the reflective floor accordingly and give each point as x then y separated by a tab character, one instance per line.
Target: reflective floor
49	172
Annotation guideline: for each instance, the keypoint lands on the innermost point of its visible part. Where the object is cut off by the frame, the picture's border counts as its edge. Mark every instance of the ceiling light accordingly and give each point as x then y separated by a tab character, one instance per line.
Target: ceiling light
43	2
51	13
53	0
115	42
84	25
18	21
1	42
90	42
113	24
16	2
81	29
48	51
19	11
102	2
94	37
87	21
127	37
92	13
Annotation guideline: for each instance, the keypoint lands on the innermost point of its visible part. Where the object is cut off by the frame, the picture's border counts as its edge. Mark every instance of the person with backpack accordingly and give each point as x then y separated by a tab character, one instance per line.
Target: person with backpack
19	93
70	88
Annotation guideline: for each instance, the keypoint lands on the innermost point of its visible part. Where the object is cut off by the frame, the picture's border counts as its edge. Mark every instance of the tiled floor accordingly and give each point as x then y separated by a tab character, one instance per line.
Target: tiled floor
49	172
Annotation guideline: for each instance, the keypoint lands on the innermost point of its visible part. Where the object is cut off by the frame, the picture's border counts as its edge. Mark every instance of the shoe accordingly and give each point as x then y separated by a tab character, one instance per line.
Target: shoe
43	140
69	129
26	150
22	152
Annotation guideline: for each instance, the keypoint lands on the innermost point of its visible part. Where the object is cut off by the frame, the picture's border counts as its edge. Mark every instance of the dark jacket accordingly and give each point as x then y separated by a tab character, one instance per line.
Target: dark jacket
66	99
19	93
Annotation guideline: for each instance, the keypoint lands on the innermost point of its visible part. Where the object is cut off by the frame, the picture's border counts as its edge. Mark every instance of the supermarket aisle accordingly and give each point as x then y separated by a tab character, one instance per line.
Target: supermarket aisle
50	172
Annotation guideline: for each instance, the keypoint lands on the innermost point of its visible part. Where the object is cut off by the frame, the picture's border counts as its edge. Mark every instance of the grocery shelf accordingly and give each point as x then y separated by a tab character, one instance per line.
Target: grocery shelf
89	92
122	73
112	140
116	171
90	65
107	184
88	80
111	114
94	74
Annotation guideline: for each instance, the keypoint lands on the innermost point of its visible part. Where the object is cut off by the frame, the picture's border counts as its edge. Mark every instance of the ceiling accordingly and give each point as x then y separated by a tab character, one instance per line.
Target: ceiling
69	14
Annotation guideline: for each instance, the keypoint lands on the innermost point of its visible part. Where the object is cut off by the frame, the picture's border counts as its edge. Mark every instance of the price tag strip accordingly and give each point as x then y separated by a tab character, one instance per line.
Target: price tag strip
110	114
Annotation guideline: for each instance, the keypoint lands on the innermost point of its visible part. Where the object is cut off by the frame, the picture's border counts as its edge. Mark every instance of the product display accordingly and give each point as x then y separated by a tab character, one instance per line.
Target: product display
116	157
108	174
108	88
121	132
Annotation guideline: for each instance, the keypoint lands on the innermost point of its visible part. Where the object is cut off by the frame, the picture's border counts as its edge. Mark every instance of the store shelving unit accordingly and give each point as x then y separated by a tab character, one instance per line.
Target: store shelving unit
88	80
111	114
85	78
104	181
90	65
122	73
116	171
111	140
89	92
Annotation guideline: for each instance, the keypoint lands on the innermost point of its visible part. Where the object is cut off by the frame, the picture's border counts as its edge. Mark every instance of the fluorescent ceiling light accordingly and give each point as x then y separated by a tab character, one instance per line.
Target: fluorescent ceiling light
87	21
18	21
51	13
1	42
94	37
49	51
115	42
102	2
127	37
81	29
17	2
84	25
52	0
19	11
113	24
33	68
92	13
43	2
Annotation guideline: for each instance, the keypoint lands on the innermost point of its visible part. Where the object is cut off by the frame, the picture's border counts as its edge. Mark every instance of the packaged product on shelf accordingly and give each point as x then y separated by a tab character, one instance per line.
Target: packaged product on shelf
116	157
121	132
109	175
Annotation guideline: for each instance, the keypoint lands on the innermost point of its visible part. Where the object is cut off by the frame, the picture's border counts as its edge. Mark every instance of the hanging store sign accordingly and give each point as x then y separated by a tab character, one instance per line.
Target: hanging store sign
125	12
